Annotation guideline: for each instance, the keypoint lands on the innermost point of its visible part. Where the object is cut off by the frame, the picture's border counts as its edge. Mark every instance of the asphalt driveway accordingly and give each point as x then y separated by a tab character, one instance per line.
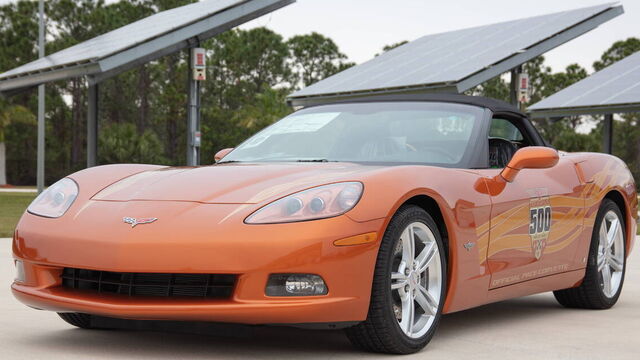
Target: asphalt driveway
534	327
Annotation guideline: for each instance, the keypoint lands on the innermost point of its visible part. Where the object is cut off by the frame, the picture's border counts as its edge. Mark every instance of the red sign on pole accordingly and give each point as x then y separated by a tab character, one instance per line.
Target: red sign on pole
199	64
524	88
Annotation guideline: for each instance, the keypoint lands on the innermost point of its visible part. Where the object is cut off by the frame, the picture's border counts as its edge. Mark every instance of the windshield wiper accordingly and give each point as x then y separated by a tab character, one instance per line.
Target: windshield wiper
313	160
300	160
228	162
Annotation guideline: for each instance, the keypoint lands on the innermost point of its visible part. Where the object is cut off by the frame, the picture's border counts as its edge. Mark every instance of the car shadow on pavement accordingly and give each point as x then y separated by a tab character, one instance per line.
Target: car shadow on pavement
267	341
499	314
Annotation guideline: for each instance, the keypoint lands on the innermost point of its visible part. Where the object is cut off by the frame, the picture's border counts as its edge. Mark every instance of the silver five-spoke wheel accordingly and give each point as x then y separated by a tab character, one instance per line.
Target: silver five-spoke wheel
416	280
605	264
611	253
409	286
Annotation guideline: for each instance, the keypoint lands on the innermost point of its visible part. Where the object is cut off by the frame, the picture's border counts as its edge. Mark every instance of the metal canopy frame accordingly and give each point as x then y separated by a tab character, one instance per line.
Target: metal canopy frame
306	97
89	59
586	110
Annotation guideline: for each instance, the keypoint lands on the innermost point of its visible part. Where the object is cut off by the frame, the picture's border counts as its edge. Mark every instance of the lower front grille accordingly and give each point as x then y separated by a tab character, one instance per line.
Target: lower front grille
150	284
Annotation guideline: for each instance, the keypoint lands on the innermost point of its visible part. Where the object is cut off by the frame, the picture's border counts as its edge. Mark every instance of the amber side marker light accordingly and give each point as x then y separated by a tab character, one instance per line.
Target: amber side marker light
357	240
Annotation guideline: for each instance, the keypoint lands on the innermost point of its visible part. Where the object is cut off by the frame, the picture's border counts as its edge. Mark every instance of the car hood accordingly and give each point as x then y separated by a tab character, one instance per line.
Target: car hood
230	183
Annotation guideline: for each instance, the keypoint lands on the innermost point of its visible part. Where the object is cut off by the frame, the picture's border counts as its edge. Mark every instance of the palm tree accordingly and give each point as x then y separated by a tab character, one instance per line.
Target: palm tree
9	114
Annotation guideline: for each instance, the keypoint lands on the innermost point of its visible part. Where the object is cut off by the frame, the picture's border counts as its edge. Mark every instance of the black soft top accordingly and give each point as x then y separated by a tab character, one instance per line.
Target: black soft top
496	106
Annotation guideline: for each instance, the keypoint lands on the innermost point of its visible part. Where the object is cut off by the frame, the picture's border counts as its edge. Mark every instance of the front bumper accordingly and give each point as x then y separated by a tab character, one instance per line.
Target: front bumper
196	238
266	311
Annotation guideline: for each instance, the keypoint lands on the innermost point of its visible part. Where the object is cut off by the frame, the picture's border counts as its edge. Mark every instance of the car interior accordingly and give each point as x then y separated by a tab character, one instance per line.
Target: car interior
504	140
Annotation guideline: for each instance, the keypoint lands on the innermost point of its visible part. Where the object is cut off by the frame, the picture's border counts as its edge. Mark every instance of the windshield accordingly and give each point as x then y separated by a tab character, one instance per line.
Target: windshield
380	132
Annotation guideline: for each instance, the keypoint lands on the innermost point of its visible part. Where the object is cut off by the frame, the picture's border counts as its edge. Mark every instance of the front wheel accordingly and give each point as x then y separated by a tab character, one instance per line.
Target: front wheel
606	264
408	289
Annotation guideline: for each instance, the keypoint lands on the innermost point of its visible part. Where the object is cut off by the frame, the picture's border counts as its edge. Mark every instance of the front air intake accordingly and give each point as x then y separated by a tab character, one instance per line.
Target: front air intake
150	284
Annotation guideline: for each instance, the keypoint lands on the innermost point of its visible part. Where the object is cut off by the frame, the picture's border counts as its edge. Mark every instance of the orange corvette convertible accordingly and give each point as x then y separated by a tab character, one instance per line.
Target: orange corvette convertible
376	216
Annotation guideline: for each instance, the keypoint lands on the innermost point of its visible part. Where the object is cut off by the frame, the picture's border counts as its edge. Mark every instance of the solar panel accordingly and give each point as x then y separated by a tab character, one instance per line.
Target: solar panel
153	36
611	90
459	60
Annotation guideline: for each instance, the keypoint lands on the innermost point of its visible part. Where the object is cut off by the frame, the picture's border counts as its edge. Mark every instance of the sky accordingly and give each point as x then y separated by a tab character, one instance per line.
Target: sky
362	27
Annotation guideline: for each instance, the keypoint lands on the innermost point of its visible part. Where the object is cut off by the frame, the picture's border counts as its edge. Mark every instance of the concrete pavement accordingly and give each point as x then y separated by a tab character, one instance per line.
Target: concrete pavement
534	327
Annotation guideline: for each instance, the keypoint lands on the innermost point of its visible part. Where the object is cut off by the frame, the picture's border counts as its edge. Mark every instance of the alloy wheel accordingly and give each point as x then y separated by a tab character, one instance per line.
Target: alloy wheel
416	280
610	254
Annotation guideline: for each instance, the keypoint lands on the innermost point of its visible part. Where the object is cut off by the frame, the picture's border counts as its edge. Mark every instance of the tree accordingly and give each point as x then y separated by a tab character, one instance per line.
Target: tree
248	78
314	57
537	71
626	141
551	83
561	132
618	51
250	59
18	24
228	128
75	21
391	47
496	88
11	114
121	143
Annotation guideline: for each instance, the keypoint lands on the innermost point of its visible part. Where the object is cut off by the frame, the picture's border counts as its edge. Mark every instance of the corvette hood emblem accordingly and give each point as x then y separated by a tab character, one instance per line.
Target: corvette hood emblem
133	221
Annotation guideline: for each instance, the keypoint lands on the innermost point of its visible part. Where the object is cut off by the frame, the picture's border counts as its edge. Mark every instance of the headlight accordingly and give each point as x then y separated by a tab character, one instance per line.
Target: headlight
56	200
316	203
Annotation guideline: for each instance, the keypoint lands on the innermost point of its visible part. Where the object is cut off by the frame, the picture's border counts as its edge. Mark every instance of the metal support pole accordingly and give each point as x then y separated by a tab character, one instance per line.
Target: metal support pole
607	132
193	117
92	125
41	94
513	95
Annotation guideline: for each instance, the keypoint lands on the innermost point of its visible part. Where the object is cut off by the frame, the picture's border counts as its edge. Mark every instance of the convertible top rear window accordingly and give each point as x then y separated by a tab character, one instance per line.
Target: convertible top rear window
433	133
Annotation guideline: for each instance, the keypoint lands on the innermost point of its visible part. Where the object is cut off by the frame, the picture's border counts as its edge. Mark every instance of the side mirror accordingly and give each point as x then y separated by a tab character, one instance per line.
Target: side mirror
532	157
222	153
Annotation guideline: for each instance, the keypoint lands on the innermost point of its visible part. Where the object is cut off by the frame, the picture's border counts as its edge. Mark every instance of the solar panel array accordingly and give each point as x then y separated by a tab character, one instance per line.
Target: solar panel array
160	33
446	59
612	89
127	36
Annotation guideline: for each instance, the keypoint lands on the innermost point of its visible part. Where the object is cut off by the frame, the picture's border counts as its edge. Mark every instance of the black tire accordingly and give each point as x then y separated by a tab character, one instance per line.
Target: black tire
590	295
380	332
80	320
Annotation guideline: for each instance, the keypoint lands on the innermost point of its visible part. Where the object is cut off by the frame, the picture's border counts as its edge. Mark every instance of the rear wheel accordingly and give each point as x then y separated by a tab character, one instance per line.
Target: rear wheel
77	319
408	287
606	265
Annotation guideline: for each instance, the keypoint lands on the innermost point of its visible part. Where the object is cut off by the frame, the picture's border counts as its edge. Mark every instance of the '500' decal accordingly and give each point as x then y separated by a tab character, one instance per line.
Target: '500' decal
539	224
540	220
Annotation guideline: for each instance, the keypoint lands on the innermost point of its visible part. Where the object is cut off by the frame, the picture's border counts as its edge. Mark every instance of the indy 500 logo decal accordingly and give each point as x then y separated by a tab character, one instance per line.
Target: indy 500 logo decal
540	224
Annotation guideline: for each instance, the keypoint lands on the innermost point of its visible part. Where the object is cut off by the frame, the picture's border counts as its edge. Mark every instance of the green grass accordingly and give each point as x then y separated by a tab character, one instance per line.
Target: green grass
12	205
